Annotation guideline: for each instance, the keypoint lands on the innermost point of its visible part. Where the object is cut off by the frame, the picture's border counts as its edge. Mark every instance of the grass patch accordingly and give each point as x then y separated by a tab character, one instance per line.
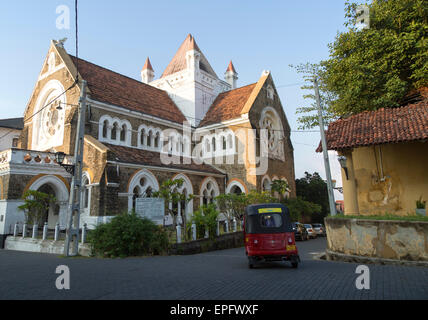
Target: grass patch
383	217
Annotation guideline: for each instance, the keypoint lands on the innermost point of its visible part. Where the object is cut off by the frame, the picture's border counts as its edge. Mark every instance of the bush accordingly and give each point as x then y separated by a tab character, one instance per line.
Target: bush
205	217
128	235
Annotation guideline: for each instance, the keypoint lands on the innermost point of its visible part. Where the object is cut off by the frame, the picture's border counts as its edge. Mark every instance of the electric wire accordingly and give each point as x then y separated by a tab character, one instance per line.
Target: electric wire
77	68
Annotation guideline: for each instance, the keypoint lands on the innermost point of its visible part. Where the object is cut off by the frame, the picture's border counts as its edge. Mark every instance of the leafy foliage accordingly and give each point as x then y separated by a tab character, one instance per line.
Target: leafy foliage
169	191
309	116
314	189
280	187
372	68
36	205
420	204
232	205
205	218
300	208
254	197
128	235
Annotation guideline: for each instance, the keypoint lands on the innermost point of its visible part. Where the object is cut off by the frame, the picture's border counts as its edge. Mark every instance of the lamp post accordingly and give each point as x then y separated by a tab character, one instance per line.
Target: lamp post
59	157
343	165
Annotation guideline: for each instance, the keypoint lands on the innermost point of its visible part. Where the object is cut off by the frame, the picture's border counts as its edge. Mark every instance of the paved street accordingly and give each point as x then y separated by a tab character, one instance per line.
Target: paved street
215	275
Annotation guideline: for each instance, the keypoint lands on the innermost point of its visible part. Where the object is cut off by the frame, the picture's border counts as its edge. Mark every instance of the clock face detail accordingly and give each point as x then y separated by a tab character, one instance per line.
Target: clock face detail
49	117
272	135
271	122
52	120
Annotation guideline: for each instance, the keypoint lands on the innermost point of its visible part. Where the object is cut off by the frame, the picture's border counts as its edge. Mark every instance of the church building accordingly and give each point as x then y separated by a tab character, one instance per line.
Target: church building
187	124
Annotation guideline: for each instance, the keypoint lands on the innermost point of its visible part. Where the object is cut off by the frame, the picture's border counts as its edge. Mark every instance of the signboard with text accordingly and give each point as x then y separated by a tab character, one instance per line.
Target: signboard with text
151	208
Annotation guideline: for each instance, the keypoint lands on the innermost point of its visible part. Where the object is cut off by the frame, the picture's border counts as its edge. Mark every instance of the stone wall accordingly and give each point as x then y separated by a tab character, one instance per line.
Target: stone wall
384	239
227	241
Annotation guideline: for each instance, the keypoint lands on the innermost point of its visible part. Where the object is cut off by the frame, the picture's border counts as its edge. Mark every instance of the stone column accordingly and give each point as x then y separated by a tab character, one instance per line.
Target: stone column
350	193
178	234
45	231
194	232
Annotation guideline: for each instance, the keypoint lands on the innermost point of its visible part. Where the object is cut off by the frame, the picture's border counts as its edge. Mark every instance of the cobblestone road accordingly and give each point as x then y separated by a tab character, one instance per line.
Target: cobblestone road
220	275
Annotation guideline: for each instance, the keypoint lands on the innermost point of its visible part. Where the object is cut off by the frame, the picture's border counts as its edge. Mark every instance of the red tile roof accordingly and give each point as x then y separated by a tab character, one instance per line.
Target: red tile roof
179	61
228	105
391	125
149	158
116	89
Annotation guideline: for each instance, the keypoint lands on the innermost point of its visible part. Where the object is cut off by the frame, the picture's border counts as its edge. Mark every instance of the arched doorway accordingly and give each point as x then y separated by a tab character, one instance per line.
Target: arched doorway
236	186
52	213
185	210
57	212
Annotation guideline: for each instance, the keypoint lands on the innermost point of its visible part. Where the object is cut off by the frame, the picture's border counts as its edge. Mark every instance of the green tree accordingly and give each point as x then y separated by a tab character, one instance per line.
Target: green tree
254	197
232	205
300	208
281	187
205	218
36	204
170	192
314	189
375	67
309	117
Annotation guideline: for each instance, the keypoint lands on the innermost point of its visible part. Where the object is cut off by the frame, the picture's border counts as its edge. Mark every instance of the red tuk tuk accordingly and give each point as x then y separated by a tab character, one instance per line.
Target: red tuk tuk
269	235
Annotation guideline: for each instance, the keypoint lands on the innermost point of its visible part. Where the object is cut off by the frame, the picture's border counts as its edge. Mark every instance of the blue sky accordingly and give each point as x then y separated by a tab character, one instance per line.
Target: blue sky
119	35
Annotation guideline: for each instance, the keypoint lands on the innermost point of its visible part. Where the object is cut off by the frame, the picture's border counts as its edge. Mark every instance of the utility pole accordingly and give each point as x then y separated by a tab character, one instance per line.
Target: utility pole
325	151
72	233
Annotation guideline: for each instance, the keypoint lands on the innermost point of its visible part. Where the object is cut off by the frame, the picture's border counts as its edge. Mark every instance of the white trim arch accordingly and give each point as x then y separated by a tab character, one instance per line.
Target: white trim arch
105	133
127	134
271	121
61	195
209	190
42	137
235	184
287	193
86	194
266	183
187	185
135	182
105	120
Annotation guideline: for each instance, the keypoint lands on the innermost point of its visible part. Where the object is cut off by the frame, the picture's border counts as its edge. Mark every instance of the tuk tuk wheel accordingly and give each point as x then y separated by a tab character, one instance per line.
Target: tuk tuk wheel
251	263
294	263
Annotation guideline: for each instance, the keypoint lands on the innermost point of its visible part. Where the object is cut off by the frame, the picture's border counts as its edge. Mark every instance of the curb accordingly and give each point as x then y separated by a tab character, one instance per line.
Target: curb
335	256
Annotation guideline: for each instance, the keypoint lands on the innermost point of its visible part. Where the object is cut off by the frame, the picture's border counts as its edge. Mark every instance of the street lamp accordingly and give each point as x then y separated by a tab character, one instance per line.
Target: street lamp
340	189
59	157
343	164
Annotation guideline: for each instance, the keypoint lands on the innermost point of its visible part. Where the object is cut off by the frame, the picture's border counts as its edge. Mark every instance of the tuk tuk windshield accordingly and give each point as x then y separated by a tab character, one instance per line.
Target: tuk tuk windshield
271	220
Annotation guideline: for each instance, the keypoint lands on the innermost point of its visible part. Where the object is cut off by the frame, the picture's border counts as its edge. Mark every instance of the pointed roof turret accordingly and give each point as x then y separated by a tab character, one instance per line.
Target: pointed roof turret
148	65
179	63
231	67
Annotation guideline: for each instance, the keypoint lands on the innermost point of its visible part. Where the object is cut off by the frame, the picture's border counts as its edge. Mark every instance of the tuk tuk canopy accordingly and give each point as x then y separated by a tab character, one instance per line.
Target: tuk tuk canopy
267	218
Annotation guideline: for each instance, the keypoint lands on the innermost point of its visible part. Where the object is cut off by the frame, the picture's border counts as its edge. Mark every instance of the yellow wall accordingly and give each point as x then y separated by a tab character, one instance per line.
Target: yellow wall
405	168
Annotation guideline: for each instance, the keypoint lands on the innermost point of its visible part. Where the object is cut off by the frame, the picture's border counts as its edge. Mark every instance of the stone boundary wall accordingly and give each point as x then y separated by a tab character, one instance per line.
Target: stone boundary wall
42	246
226	241
383	239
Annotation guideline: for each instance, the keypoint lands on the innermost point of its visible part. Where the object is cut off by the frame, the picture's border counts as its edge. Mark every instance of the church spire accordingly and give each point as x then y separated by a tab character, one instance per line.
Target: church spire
231	76
147	74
